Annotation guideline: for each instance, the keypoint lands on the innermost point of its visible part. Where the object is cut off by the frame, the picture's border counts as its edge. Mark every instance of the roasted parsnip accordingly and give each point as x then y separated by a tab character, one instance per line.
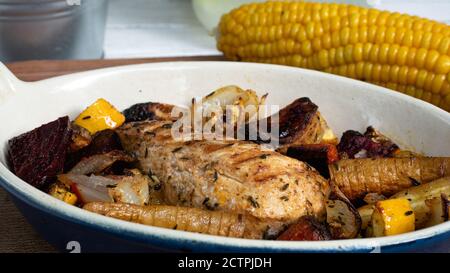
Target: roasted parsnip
357	177
187	219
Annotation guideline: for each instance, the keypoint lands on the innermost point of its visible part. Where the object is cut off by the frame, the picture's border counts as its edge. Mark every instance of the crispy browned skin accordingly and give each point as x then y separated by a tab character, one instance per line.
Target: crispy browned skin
183	218
357	177
235	176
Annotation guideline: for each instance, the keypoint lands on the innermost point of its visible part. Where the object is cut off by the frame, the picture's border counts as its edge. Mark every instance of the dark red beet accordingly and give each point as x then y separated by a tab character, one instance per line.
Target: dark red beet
351	143
38	155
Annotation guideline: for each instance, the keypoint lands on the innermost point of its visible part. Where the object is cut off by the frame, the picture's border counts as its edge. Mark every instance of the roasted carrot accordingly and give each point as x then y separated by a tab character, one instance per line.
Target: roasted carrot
357	177
185	218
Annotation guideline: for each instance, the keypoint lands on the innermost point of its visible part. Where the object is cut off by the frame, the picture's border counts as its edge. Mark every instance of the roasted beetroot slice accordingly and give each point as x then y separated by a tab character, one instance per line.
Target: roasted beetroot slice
352	142
38	155
371	143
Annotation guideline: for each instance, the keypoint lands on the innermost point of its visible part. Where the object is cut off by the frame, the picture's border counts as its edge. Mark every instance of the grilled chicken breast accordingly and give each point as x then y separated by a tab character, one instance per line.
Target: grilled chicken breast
235	176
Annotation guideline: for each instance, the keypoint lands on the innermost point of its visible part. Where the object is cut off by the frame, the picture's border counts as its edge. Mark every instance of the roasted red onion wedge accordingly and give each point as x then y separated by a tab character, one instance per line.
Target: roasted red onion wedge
97	163
89	188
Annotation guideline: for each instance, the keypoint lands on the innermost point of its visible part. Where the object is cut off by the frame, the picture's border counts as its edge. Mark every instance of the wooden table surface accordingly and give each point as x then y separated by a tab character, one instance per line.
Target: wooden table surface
16	235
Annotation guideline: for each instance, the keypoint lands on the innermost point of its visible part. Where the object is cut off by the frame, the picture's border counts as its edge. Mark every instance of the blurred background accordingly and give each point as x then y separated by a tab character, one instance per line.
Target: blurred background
92	29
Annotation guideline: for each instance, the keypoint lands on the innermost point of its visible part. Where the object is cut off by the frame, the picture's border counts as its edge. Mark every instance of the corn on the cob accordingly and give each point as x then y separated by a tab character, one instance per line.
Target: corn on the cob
405	53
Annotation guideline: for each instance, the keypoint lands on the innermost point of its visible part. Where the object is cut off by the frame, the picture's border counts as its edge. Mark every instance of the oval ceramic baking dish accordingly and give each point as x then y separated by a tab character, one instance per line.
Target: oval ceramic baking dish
347	104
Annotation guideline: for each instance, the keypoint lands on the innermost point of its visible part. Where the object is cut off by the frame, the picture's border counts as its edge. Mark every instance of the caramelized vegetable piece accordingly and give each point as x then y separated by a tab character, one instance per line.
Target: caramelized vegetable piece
102	142
88	188
242	104
301	123
80	138
391	217
343	219
438	210
98	163
372	198
417	197
316	155
63	193
184	218
368	145
149	111
99	116
306	229
38	156
134	188
386	176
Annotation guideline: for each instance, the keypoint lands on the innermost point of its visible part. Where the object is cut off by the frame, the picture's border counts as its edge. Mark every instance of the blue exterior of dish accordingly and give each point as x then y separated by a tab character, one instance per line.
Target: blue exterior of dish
58	230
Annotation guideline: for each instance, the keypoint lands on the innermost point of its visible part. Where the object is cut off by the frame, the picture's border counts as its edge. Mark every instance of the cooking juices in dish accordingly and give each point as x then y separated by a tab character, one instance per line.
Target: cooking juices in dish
303	184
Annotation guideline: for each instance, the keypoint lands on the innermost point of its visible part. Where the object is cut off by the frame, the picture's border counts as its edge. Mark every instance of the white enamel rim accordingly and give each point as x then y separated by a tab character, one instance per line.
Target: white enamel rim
47	203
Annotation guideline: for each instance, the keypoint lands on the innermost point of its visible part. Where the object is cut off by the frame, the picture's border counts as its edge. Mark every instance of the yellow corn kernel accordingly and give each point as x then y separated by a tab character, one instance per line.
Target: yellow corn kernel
401	55
385	73
100	115
376	72
412	76
421	56
431	59
393	73
359	70
393	216
436	99
442	65
403	75
437	83
392	54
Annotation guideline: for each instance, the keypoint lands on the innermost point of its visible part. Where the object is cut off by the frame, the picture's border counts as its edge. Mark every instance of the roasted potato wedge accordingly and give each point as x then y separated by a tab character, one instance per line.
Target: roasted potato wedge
343	219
